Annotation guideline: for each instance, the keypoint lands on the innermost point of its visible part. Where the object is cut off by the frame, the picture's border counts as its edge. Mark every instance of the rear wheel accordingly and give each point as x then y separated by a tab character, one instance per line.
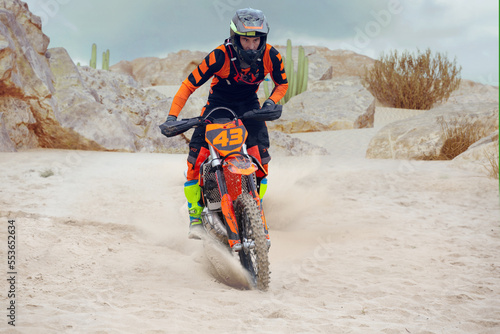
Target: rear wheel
254	255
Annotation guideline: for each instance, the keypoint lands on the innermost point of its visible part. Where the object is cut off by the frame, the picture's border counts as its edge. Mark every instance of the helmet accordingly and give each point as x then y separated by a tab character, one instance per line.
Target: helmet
252	23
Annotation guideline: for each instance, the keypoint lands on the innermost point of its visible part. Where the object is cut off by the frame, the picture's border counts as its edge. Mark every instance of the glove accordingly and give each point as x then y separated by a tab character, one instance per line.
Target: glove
171	118
268	103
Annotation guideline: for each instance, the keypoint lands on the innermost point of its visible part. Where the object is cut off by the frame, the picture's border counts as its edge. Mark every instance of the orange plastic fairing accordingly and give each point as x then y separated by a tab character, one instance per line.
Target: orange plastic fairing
229	215
226	138
240	165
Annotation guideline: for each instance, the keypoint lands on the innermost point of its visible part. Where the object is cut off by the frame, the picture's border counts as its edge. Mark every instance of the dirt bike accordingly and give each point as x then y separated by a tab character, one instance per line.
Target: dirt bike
230	191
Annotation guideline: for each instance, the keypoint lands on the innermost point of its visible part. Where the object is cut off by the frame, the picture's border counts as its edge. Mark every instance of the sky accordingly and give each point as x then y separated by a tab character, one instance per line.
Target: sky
463	30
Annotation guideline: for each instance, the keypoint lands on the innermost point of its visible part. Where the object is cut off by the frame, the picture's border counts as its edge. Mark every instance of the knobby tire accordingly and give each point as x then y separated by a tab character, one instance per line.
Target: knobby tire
255	260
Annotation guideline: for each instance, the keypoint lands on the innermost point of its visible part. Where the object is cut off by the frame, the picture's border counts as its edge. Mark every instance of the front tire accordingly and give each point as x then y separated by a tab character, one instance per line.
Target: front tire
254	255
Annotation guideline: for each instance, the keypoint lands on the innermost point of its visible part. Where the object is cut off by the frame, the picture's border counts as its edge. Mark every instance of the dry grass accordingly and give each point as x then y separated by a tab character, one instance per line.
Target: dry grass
458	135
491	166
412	81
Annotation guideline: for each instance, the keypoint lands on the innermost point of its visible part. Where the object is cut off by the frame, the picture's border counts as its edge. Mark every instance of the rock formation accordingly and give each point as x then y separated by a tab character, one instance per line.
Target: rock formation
335	104
26	81
108	108
422	136
47	101
324	64
151	71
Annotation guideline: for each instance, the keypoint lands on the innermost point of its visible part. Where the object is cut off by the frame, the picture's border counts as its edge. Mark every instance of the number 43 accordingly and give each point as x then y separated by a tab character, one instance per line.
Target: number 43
229	137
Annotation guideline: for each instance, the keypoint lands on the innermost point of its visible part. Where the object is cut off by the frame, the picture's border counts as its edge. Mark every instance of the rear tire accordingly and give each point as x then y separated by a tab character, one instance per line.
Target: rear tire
250	224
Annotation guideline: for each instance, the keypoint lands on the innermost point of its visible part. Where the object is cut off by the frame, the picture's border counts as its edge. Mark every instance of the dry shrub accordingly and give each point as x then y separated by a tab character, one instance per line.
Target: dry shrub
459	135
412	81
492	162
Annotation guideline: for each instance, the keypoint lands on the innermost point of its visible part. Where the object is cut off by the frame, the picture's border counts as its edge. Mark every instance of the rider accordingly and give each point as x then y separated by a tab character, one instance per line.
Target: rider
238	67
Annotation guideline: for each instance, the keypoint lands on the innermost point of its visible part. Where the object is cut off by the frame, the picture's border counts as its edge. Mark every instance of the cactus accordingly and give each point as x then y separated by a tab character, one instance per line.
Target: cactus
297	80
105	60
93	59
302	72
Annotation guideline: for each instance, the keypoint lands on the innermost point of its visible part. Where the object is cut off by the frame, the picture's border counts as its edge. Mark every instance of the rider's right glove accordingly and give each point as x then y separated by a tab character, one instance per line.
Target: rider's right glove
171	118
268	103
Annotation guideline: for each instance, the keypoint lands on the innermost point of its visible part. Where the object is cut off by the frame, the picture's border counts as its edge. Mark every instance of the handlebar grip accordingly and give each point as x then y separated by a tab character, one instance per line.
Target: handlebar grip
267	113
175	128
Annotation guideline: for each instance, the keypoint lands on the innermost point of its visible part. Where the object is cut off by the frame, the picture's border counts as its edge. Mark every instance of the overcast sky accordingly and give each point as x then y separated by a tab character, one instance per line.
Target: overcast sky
462	29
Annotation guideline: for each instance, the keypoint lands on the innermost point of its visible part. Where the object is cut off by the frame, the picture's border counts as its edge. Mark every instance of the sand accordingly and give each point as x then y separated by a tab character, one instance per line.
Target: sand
358	246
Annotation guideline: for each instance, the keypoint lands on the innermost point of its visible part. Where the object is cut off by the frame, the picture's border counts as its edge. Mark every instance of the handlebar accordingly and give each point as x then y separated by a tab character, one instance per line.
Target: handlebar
174	128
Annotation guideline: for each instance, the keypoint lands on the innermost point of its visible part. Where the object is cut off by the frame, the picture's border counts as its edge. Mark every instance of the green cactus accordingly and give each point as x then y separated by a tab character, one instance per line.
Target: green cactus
105	60
93	59
297	80
302	72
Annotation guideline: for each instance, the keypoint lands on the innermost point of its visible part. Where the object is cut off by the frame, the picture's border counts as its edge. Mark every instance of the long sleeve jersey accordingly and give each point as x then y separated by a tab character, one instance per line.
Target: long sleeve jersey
230	83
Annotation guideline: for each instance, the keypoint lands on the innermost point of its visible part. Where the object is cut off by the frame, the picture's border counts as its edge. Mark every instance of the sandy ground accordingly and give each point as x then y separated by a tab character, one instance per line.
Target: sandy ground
358	246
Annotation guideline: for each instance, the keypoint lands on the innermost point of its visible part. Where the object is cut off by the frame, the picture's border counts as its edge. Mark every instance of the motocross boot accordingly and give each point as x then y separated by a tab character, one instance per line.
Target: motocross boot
192	191
262	188
262	192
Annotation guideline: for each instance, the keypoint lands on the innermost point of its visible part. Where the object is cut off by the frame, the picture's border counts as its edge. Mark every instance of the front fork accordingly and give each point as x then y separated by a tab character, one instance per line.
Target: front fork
256	196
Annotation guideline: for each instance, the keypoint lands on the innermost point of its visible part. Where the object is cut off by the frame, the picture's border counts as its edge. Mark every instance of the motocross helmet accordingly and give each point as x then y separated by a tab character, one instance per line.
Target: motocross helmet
251	23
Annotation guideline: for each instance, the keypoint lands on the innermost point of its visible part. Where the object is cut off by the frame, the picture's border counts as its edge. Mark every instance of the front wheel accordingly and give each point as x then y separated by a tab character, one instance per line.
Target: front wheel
254	255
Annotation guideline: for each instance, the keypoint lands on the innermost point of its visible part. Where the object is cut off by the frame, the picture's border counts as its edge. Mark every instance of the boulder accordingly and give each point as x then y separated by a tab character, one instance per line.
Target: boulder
326	64
478	150
6	144
18	123
335	104
422	137
27	90
26	81
80	107
23	69
152	71
110	109
480	154
341	63
470	92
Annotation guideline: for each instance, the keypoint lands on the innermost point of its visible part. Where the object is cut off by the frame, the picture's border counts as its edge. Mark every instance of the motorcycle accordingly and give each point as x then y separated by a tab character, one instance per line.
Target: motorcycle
230	190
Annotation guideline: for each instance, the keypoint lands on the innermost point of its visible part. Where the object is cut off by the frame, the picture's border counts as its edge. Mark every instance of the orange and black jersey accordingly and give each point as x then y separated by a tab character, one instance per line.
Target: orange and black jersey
230	83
